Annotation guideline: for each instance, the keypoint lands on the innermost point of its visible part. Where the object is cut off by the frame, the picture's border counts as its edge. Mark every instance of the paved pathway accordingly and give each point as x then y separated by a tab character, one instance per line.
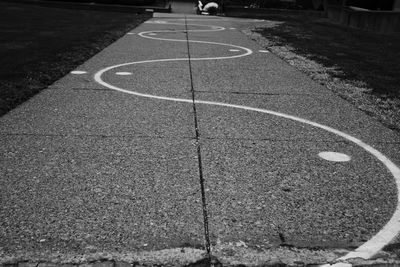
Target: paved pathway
183	7
143	155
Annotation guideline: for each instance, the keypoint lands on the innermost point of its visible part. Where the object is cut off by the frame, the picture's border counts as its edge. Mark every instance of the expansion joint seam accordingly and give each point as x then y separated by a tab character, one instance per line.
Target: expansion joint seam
198	147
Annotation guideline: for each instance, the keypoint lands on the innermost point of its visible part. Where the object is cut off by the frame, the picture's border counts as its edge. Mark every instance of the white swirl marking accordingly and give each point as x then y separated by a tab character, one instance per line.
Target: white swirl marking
369	248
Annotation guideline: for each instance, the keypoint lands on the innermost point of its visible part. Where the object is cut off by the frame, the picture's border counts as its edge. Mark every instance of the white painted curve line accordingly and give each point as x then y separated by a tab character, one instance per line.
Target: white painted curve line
369	248
145	35
78	72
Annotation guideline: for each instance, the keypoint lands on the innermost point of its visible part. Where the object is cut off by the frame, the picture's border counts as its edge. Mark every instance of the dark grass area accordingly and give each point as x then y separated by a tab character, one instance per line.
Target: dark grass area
160	3
39	45
362	67
368	58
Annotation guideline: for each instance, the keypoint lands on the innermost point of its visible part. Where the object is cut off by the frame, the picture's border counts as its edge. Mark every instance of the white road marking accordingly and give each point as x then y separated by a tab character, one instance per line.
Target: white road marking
334	156
145	35
130	33
369	248
263	51
123	73
232	28
234	50
78	72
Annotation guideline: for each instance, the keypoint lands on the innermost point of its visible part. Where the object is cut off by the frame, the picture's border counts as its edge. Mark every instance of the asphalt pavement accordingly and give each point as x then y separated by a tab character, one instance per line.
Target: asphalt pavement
185	141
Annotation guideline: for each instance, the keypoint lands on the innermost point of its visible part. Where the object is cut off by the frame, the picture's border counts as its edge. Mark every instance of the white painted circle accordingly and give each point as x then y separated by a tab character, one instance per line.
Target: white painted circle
334	156
123	73
78	72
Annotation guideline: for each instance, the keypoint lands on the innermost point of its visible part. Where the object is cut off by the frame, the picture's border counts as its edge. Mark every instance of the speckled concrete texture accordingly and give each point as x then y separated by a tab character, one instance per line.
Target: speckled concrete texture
82	193
93	177
77	111
266	192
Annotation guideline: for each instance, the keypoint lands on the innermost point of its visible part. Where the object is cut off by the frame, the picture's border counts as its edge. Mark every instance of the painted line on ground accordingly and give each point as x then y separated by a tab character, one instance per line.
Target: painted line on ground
369	248
334	156
123	73
78	72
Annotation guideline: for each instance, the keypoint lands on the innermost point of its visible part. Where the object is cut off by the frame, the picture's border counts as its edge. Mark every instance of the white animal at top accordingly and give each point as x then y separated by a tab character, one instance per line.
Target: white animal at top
210	7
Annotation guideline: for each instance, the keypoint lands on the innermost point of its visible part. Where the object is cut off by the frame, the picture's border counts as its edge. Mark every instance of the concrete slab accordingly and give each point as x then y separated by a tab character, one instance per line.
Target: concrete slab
98	112
85	194
220	78
264	73
268	192
222	123
219	122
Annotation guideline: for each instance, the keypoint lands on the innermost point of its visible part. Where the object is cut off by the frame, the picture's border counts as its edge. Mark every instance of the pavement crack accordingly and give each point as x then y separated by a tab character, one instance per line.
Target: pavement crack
282	237
251	93
104	136
198	147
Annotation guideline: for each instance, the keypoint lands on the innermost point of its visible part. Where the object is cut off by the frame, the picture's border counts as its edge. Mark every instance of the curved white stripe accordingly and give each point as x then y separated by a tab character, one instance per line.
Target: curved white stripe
213	28
369	248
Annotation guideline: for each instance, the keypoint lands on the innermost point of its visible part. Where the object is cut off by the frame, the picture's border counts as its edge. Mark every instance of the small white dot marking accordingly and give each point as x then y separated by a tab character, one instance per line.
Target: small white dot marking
334	156
234	50
123	73
130	33
151	34
263	51
78	72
